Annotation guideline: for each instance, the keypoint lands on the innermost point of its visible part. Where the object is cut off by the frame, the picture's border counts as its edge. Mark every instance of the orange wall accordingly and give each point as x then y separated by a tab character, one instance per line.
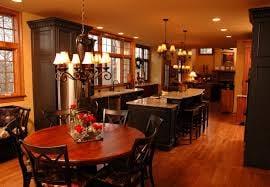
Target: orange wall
27	64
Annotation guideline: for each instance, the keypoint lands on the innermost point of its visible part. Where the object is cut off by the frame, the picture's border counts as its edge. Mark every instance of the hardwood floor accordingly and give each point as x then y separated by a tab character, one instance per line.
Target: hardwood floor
214	160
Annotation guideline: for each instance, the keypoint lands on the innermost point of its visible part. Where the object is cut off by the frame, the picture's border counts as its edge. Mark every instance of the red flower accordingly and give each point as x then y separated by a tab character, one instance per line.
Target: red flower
97	126
81	115
73	106
79	128
91	118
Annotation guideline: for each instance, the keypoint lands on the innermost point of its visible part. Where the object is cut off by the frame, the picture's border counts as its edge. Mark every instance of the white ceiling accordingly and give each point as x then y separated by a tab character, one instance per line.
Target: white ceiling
143	18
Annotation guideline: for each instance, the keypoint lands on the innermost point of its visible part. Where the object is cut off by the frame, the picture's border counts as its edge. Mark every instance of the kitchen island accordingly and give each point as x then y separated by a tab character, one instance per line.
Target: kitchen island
141	109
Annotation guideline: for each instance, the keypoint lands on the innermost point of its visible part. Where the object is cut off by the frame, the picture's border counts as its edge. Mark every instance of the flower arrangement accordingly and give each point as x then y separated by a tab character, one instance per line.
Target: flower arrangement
84	126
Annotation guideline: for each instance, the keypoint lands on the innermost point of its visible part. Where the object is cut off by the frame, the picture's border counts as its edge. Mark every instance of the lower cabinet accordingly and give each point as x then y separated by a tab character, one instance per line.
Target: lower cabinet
227	97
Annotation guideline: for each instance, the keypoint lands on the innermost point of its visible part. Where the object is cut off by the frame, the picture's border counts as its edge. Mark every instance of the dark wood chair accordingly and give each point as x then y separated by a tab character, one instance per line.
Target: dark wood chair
153	125
23	121
115	116
50	165
57	117
130	173
22	158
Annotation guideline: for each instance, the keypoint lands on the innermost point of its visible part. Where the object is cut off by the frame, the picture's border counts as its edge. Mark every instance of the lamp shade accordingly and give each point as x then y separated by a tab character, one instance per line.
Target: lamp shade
64	57
97	59
159	50
75	59
163	47
172	48
106	59
58	59
88	58
184	52
175	67
193	74
190	53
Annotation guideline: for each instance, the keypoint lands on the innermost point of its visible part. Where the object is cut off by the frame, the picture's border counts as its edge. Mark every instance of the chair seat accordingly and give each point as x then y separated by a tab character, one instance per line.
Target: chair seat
117	175
5	134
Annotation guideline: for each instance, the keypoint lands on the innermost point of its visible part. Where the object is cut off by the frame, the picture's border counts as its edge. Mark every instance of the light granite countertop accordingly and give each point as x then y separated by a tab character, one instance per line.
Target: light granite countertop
191	92
117	92
153	102
161	101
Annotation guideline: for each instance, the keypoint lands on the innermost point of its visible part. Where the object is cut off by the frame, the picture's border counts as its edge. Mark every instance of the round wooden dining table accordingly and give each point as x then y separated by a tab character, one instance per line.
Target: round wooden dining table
117	142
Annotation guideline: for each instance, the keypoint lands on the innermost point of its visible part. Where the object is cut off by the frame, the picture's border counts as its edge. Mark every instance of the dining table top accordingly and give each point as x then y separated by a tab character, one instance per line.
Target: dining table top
117	142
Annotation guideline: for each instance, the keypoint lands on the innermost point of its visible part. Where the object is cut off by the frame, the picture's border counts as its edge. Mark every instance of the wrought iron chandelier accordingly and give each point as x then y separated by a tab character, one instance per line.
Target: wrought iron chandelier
83	62
162	49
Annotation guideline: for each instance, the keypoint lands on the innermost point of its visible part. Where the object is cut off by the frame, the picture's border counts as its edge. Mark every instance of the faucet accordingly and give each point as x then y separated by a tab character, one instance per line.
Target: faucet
113	83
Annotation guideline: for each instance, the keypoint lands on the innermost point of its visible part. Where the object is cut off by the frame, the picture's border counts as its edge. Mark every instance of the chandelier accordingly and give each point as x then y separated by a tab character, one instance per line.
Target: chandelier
162	49
184	52
83	62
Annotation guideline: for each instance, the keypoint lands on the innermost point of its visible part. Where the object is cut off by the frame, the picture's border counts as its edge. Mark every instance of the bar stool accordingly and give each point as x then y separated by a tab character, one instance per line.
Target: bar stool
192	120
205	113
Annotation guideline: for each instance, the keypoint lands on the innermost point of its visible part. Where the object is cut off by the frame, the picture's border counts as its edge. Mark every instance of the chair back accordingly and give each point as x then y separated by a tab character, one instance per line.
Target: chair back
115	116
50	164
56	117
140	152
154	123
24	117
22	157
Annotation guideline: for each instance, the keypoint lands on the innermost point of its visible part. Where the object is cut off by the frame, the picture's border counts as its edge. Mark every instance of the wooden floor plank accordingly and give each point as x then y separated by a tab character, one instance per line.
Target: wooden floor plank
214	160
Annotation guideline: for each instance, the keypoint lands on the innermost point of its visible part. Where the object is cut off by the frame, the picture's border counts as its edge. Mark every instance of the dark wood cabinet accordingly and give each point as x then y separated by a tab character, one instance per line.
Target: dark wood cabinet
257	134
149	89
49	36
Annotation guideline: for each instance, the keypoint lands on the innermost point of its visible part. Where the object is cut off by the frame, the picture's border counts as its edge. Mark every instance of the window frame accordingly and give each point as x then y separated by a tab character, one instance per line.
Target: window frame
148	61
122	56
16	47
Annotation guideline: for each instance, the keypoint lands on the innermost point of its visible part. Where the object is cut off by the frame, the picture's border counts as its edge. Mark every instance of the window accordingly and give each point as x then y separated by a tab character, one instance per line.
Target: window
206	51
96	41
6	72
10	66
142	55
111	45
126	70
126	48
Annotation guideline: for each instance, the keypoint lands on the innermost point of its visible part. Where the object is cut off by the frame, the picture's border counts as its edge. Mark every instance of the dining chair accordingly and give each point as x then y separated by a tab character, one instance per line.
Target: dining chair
130	173
115	116
57	117
153	125
22	157
23	120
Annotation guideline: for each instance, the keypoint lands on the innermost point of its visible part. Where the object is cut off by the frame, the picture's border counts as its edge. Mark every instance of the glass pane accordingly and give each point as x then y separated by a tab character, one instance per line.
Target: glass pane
10	88
145	70
2	88
9	67
8	22
8	35
2	78
6	72
126	70
2	38
137	52
104	81
146	54
115	69
1	21
126	48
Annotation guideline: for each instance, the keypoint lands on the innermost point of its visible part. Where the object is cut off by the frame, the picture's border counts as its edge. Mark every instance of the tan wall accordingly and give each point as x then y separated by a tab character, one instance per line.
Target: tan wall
27	64
239	69
155	68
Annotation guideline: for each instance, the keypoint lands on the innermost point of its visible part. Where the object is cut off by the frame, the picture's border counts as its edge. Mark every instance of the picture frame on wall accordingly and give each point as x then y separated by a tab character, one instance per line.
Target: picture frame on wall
228	59
206	51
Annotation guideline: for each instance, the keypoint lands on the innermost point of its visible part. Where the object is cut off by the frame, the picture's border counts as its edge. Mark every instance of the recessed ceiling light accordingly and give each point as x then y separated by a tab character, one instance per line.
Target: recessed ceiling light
228	36
121	33
17	1
216	19
135	37
223	30
99	27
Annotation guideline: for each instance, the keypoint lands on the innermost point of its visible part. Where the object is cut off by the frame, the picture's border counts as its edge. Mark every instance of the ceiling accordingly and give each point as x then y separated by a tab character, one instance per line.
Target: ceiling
143	18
